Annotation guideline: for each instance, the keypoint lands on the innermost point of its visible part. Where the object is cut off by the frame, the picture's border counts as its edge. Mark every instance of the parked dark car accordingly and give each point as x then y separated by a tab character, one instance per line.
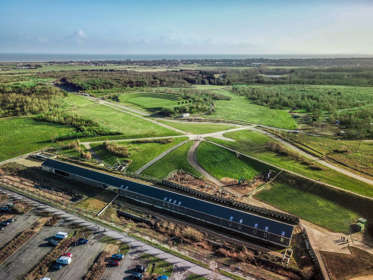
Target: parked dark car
80	241
56	266
113	263
117	257
140	268
137	276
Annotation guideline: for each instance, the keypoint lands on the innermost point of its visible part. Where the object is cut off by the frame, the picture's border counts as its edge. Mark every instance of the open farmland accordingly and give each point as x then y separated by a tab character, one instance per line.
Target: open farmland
254	144
27	135
139	153
176	160
221	163
128	125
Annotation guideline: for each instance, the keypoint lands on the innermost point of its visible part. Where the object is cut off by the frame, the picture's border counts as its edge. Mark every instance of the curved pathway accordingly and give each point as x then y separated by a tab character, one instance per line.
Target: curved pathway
192	159
252	127
162	155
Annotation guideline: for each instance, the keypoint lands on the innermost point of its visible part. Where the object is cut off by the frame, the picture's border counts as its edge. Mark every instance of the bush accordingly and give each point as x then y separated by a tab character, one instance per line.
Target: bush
116	150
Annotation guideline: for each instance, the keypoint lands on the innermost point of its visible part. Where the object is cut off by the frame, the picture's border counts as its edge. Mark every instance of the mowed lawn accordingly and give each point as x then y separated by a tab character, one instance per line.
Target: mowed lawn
198	128
21	135
115	120
309	206
149	101
239	108
175	160
139	153
253	143
222	163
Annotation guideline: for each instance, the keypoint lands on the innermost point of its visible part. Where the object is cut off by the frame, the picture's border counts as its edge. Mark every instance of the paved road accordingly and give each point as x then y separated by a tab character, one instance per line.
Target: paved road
162	155
133	243
192	159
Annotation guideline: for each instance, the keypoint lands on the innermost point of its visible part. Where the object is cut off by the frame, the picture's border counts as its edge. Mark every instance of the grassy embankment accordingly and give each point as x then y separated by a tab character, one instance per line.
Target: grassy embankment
130	126
222	163
309	206
254	144
198	128
139	153
175	160
22	135
355	153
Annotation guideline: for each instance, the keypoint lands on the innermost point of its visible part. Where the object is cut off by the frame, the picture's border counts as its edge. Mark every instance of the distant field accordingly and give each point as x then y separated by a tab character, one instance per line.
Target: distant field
198	128
140	153
309	206
23	135
240	109
128	125
253	143
150	101
175	160
221	163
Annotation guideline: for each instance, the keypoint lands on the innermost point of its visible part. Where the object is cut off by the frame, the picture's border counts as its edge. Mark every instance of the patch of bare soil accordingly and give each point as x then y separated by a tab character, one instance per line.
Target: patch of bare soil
185	179
346	266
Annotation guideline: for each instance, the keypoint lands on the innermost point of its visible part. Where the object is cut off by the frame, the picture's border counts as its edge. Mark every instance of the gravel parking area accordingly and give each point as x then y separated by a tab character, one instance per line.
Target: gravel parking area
82	259
22	222
30	254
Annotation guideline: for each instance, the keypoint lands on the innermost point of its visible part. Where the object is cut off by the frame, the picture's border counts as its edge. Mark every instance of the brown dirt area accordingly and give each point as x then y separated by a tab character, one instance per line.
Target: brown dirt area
345	266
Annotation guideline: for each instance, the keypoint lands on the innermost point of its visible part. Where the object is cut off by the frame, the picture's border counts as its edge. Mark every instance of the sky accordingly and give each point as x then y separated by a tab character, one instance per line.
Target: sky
187	27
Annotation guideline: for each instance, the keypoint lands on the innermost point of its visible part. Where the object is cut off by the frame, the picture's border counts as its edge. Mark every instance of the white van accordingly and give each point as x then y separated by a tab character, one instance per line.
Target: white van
61	235
64	260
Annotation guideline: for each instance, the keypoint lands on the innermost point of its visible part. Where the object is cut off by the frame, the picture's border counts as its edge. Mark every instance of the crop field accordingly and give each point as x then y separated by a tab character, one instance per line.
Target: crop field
175	160
23	135
254	144
198	128
309	206
130	126
221	163
139	153
239	108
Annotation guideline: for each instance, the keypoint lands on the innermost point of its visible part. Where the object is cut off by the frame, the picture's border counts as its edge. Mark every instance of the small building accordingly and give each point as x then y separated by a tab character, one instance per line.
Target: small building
185	115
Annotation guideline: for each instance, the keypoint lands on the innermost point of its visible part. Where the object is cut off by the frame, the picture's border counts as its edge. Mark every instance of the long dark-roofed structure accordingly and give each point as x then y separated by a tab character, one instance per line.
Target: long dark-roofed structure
220	216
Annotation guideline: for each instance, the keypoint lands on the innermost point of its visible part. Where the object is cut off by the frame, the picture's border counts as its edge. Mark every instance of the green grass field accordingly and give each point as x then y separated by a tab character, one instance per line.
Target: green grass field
309	206
221	163
149	101
175	160
130	126
23	135
240	109
253	143
198	128
139	153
